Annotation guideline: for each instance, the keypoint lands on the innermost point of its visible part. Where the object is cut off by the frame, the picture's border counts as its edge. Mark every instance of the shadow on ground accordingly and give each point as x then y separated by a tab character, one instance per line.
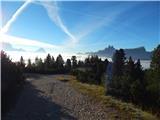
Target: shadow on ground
65	80
32	105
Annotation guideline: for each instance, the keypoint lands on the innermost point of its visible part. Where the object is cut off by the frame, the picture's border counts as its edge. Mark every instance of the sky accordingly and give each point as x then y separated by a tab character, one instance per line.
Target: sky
63	26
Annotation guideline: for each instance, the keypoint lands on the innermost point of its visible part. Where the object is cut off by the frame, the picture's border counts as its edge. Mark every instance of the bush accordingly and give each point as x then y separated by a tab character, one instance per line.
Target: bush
153	87
11	80
85	76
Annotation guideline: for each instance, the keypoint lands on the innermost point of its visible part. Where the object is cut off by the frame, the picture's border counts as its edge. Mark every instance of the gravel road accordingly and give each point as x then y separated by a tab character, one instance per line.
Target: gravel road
45	98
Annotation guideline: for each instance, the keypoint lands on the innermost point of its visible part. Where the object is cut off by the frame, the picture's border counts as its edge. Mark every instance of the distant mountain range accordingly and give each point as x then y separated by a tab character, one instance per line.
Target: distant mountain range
9	47
135	53
40	50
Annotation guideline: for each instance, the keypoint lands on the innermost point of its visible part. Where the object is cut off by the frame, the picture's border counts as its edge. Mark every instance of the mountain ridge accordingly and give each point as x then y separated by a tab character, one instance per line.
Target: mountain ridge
8	47
40	50
135	53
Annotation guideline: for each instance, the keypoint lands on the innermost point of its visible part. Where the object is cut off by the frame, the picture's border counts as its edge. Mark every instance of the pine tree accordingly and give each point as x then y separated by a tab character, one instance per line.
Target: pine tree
118	62
47	62
80	63
74	61
87	62
138	70
59	62
36	61
138	85
130	68
53	65
68	65
22	63
118	83
155	63
29	66
153	79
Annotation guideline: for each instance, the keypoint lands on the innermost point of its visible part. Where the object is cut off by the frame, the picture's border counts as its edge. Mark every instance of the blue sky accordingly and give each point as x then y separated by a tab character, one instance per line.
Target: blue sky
82	26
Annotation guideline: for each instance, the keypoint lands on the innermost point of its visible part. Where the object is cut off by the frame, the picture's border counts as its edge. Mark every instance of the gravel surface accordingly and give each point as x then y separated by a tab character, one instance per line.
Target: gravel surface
45	98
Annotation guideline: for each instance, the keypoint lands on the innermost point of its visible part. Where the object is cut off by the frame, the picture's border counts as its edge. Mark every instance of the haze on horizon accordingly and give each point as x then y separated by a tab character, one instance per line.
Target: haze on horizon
73	27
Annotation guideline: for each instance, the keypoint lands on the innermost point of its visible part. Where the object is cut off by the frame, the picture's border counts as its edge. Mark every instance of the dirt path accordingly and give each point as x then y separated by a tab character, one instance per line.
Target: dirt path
45	98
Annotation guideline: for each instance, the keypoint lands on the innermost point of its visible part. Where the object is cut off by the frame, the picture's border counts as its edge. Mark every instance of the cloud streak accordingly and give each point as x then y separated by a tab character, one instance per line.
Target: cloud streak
27	42
52	11
91	26
14	17
97	22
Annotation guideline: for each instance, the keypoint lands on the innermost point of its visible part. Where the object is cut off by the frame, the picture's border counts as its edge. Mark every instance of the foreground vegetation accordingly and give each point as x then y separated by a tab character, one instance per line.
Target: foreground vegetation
12	81
126	111
127	80
131	83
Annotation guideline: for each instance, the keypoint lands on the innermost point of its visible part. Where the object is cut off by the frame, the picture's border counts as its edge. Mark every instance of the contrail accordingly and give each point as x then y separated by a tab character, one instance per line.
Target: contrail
15	15
52	13
51	8
95	23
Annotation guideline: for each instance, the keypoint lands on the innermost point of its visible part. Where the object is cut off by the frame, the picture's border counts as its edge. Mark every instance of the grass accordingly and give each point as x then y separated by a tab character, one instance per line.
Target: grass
126	111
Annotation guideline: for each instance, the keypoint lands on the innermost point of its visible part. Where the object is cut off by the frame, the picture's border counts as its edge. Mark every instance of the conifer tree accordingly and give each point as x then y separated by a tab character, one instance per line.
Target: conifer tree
59	62
74	61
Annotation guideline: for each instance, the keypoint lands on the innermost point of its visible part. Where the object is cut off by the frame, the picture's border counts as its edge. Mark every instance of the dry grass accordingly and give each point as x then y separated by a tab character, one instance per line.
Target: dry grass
127	110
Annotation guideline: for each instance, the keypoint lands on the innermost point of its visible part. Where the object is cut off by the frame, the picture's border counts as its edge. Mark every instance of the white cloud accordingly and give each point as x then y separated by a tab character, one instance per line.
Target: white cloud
26	42
14	17
52	11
